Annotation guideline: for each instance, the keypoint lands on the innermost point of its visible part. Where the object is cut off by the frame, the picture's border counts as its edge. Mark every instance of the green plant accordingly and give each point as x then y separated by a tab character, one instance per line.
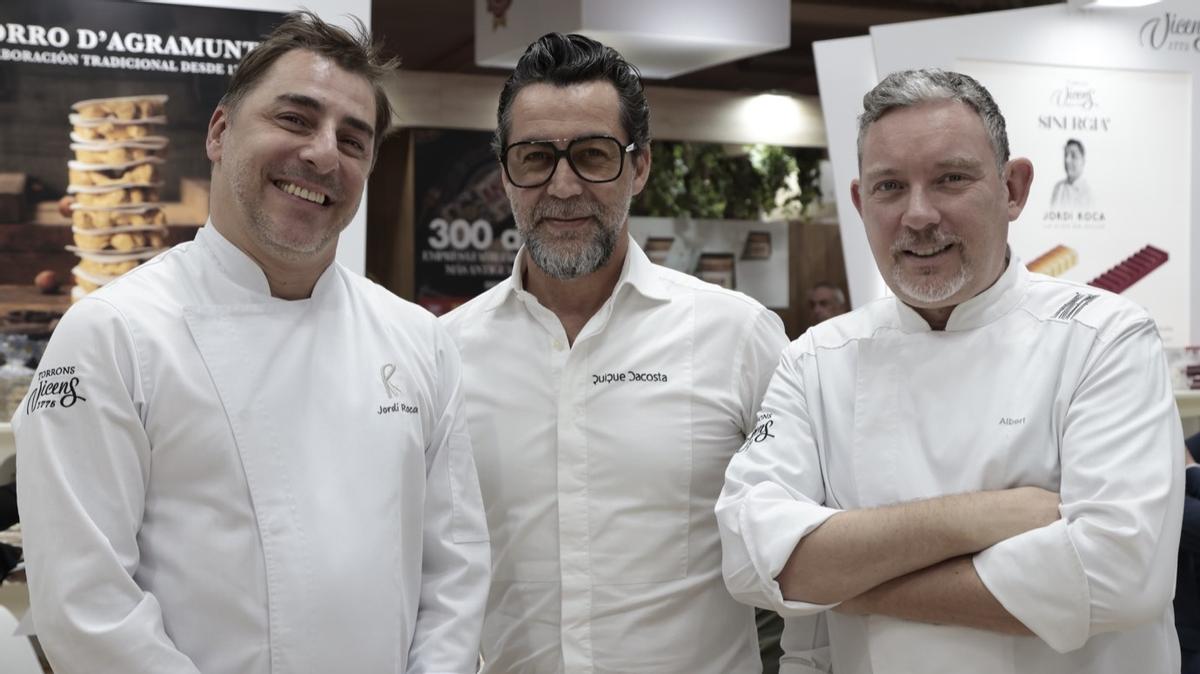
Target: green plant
704	180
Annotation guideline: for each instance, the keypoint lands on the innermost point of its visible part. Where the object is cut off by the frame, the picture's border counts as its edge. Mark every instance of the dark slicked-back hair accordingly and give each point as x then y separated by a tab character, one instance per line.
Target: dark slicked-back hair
564	60
354	52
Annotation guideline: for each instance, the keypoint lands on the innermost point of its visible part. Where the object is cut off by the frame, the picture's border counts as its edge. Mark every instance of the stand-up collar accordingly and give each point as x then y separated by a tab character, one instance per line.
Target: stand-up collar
243	270
981	309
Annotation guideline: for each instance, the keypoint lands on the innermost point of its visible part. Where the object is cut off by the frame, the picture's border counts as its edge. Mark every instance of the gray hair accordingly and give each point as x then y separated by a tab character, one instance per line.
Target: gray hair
837	291
912	87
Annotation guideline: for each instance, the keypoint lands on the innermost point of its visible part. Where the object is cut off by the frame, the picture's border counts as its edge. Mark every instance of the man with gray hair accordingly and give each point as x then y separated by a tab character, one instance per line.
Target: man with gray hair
979	473
825	300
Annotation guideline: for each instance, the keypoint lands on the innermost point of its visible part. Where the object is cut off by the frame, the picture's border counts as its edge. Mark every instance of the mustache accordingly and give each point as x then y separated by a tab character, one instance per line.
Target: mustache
934	238
566	209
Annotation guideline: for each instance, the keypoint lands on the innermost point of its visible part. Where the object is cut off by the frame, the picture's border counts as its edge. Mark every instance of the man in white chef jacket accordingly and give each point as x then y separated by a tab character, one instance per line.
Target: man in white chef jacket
241	457
605	395
980	473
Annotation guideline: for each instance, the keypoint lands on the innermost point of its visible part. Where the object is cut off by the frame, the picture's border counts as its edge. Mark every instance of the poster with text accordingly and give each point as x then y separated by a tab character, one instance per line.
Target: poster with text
104	109
1110	202
466	239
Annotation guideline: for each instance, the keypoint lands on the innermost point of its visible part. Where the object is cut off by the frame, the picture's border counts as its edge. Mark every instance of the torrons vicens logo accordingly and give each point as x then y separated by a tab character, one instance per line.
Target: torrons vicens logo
54	387
1171	32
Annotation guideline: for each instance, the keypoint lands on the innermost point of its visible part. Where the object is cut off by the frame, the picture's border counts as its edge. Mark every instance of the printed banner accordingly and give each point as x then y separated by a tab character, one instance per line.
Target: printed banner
56	53
466	240
1111	151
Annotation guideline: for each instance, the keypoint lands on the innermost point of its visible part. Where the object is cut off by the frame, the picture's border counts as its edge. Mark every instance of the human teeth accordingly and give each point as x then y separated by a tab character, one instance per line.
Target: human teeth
296	190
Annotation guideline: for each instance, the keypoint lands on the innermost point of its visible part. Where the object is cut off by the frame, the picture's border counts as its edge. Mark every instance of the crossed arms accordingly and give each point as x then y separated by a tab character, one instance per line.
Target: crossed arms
924	572
1097	556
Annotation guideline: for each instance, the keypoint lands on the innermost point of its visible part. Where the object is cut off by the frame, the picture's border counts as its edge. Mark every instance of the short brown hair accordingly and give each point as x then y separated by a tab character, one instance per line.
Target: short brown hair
353	52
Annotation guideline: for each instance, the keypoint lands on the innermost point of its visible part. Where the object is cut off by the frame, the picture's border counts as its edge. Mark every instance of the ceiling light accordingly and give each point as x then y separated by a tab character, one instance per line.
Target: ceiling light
663	38
1110	4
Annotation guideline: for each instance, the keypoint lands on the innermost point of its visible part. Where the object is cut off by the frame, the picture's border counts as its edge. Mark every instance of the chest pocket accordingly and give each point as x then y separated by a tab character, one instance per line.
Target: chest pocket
640	456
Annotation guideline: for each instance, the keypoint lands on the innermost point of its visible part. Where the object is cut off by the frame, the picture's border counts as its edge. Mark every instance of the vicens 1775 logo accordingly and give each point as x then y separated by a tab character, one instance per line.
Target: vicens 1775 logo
54	387
1171	32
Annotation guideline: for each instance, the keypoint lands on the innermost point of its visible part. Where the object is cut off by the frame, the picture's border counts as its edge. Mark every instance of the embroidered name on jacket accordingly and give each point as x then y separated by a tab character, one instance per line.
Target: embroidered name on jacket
628	376
54	387
393	391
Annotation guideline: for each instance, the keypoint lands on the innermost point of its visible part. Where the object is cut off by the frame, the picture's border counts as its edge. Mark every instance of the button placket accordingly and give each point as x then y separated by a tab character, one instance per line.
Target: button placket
573	513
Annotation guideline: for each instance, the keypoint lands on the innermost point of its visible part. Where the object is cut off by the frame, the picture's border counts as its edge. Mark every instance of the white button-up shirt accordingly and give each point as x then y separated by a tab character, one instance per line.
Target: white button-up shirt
600	464
1035	382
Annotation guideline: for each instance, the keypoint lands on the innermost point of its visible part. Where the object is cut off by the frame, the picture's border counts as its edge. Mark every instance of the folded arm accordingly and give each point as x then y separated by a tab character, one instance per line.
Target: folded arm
857	550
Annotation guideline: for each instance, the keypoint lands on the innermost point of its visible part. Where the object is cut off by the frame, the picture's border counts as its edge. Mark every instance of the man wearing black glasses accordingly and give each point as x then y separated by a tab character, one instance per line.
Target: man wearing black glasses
605	396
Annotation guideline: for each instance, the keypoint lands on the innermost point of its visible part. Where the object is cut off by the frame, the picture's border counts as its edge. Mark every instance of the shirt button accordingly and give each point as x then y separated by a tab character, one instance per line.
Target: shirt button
558	345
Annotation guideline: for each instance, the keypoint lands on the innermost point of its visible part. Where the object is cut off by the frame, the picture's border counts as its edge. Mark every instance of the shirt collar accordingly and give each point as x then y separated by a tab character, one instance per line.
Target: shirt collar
637	272
244	271
238	266
981	309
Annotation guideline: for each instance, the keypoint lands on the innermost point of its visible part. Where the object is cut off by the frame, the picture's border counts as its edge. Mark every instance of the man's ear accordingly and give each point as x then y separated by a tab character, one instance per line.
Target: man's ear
641	167
856	195
216	133
1018	176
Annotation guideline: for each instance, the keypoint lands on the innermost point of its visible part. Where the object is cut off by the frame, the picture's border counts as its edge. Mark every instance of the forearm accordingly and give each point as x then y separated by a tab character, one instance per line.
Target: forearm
856	550
947	593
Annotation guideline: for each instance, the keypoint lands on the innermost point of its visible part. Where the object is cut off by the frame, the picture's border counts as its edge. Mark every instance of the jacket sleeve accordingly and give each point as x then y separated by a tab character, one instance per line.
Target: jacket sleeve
773	494
456	567
82	462
1189	537
1109	563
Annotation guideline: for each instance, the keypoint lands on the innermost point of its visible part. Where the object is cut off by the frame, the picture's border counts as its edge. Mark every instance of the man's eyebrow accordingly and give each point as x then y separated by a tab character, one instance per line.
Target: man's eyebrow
876	174
315	105
962	163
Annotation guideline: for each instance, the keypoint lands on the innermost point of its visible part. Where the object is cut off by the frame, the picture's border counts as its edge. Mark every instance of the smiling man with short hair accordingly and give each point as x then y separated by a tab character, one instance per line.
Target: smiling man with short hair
980	473
264	465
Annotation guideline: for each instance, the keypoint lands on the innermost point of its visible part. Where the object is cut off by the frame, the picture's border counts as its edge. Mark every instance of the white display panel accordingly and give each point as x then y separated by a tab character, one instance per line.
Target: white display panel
1132	180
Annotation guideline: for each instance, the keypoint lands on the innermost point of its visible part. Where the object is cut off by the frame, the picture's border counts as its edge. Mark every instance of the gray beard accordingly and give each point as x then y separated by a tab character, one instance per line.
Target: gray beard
566	264
928	290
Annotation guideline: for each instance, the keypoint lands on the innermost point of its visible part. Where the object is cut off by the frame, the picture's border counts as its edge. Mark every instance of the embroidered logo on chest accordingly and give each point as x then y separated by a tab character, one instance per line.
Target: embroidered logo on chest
393	391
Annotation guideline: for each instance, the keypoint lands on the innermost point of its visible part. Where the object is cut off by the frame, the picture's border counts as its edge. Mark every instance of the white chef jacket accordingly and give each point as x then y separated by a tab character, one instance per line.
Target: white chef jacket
215	480
600	464
1035	382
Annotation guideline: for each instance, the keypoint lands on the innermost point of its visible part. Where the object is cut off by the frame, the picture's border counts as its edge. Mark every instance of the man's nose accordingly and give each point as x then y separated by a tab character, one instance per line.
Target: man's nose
564	184
320	150
919	210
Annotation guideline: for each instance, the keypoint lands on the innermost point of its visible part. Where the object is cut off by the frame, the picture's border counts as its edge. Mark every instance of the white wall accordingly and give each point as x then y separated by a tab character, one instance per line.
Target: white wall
352	246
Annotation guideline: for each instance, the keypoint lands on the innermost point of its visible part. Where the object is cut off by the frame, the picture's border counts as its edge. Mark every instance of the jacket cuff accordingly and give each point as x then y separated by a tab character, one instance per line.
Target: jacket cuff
1038	577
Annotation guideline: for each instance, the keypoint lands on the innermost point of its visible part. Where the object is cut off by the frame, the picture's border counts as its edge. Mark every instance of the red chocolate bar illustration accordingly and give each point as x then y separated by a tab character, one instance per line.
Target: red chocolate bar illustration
1131	270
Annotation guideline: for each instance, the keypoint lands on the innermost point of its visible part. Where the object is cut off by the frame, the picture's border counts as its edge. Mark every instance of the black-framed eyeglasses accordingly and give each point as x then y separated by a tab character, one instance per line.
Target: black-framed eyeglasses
596	159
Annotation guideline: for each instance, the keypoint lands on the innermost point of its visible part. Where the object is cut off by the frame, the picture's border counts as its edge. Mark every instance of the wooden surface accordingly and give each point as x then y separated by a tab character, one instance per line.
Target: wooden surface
17	298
